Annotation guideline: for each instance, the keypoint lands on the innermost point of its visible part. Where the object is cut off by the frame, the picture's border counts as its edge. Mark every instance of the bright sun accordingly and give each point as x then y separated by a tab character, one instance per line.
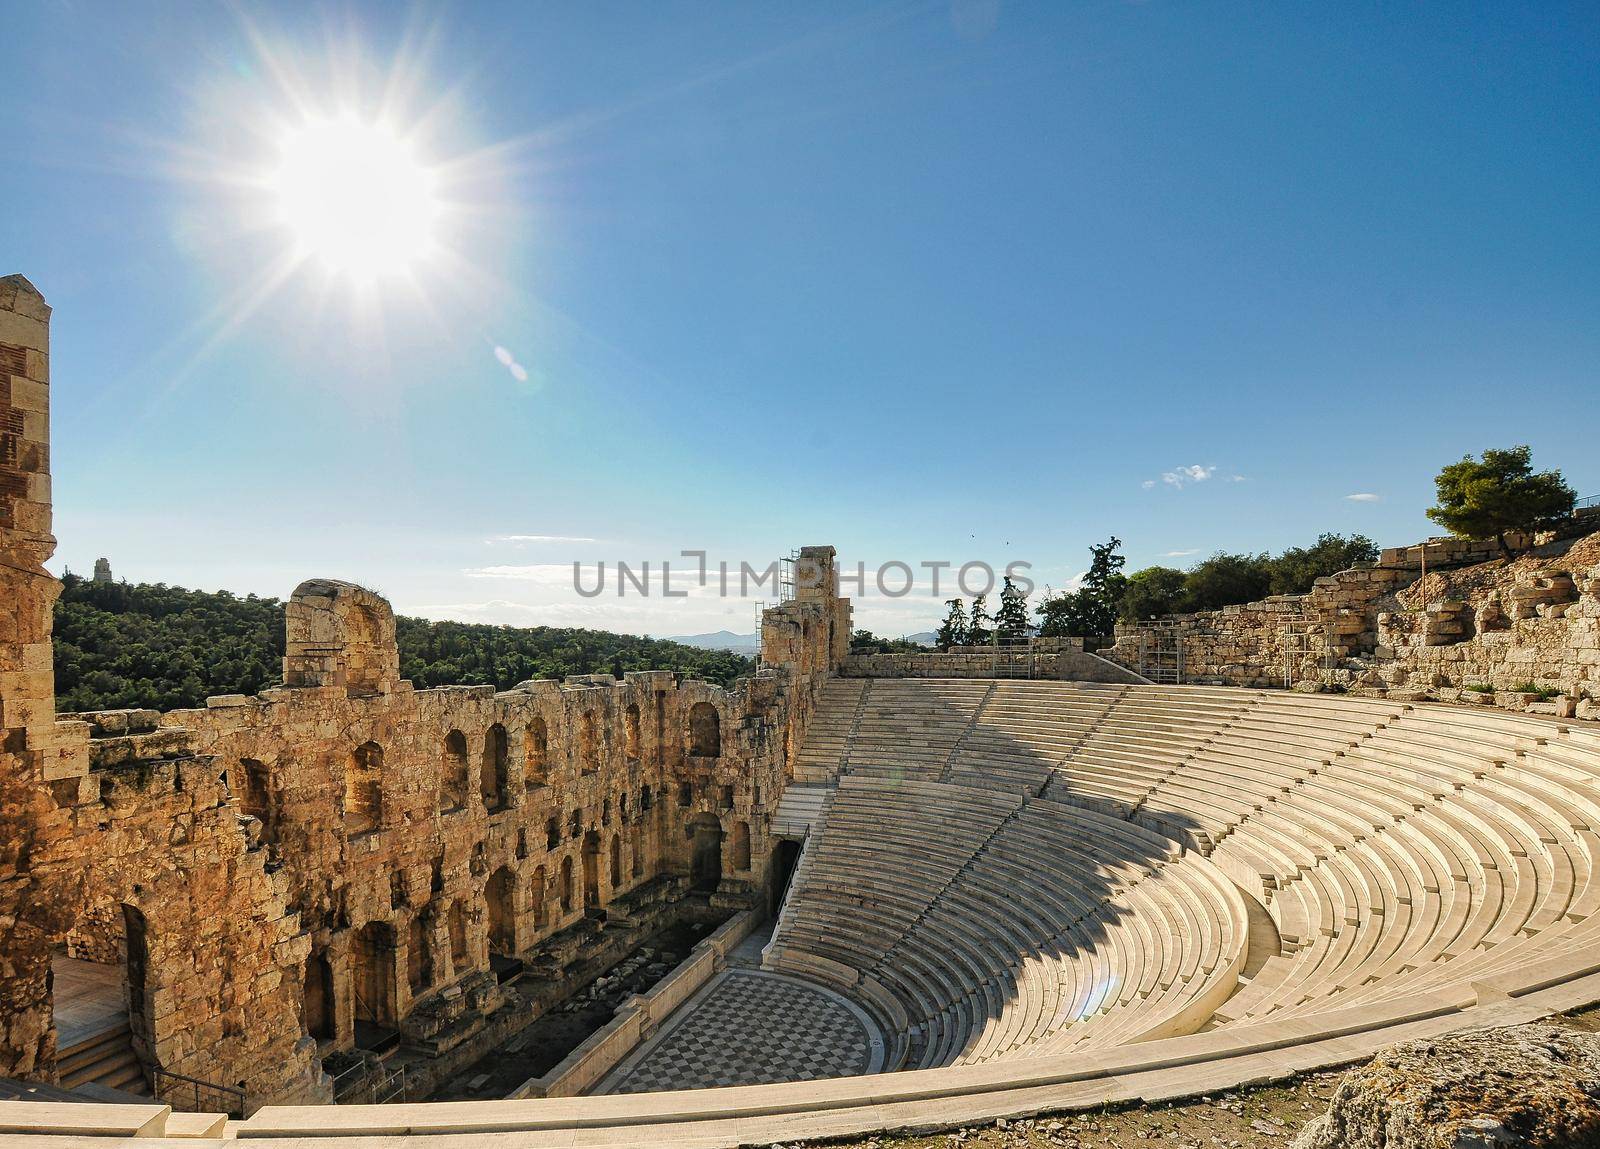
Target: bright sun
356	198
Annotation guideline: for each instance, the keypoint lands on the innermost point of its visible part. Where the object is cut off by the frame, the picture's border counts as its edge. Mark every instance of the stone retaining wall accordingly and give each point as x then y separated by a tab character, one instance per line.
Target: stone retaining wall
1482	620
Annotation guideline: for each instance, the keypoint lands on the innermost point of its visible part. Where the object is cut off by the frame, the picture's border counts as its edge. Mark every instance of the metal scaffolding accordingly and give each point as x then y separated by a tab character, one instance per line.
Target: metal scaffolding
1161	653
1302	643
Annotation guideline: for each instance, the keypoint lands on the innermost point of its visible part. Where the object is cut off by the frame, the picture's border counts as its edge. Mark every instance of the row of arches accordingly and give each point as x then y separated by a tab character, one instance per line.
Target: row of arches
363	799
570	885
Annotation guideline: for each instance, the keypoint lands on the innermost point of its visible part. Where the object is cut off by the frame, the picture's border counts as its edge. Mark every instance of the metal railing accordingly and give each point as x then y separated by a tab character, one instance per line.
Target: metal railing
193	1095
1585	504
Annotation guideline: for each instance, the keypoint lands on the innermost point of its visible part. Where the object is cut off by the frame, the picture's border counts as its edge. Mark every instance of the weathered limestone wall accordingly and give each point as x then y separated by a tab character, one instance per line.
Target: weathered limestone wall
35	887
1481	620
272	871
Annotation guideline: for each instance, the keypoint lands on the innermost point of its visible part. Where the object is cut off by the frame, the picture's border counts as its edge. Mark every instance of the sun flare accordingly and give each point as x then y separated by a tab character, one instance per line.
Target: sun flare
355	197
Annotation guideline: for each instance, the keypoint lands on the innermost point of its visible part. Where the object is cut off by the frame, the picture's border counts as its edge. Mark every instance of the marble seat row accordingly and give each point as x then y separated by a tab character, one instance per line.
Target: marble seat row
996	924
1057	894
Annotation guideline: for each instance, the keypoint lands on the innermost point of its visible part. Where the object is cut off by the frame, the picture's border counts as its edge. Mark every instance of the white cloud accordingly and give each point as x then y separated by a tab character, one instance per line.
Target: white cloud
524	540
1178	554
1181	477
1364	497
546	574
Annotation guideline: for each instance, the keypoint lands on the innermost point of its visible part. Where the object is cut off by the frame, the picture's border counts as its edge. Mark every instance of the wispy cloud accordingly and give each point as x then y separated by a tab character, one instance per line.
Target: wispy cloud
1180	477
1178	554
525	540
546	574
1363	497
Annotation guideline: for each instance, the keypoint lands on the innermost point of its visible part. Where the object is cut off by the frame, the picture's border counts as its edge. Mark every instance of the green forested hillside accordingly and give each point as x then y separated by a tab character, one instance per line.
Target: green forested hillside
141	644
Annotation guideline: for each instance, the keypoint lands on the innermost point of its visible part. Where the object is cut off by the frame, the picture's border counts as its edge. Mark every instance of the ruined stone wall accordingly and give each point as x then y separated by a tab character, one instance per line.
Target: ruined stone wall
35	885
274	871
1480	620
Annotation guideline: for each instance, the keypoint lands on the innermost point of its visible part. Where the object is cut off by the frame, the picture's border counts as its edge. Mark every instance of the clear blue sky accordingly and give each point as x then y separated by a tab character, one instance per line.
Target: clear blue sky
925	281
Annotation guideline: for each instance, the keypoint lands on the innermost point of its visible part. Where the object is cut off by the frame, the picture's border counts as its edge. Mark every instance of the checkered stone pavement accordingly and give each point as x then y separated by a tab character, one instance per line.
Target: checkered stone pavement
752	1028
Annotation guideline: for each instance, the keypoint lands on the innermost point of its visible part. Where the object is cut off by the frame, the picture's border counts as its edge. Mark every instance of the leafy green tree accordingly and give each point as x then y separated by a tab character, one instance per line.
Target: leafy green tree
1012	619
1225	579
1091	610
953	630
865	642
1485	498
1296	569
1153	592
978	632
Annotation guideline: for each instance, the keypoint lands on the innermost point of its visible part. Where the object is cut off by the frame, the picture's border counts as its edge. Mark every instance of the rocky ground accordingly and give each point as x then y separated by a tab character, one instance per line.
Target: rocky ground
1267	1117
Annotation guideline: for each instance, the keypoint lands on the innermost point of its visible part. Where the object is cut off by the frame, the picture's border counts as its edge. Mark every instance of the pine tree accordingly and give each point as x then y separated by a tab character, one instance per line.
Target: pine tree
978	632
1012	620
953	630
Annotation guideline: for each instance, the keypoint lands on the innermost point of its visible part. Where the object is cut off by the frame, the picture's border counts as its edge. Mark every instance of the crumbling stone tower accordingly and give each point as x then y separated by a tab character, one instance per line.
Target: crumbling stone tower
33	896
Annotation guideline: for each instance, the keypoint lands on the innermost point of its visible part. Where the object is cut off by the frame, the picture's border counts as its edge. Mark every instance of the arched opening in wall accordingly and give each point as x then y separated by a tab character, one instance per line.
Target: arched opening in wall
591	870
373	959
741	846
705	865
536	895
253	789
136	946
456	926
784	859
317	990
630	728
661	727
588	742
363	789
419	959
616	861
454	772
705	731
552	832
99	984
495	757
638	853
502	913
536	754
566	884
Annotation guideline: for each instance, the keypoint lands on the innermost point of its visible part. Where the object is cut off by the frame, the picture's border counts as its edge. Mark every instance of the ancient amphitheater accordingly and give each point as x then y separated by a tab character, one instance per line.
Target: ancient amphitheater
925	890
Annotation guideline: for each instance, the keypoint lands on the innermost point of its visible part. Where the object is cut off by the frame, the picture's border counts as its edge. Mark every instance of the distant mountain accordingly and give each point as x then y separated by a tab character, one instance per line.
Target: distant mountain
720	640
925	637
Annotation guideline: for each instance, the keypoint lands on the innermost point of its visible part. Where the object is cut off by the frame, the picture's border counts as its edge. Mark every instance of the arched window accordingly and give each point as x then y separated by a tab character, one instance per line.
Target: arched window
502	914
536	895
453	772
588	742
552	832
741	845
705	731
616	861
631	731
644	799
638	853
363	789
373	962
493	778
419	961
566	884
685	794
457	924
318	995
536	754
